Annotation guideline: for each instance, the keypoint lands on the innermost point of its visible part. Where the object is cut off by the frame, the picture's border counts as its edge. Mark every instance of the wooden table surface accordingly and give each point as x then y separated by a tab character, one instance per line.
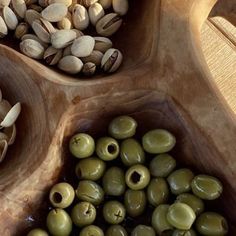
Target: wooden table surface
219	47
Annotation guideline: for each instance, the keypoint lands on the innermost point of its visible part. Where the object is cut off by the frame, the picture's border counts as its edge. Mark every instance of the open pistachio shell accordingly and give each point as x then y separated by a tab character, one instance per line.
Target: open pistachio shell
10	133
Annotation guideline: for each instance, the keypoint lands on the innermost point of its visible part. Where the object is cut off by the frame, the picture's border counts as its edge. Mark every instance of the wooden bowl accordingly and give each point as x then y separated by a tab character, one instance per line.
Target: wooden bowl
164	82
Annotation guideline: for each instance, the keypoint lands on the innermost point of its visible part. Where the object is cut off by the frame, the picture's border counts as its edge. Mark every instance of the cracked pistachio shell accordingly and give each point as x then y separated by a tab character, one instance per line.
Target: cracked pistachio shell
3	28
95	57
66	22
89	69
102	44
87	3
111	60
120	6
10	132
96	12
5	107
70	64
9	18
108	24
35	7
21	30
4	3
105	3
32	48
83	46
65	2
54	12
34	37
62	38
52	55
32	15
80	17
3	149
19	7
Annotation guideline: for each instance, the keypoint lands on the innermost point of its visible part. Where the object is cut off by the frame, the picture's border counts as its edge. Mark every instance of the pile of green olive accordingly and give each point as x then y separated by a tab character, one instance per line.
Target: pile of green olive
120	178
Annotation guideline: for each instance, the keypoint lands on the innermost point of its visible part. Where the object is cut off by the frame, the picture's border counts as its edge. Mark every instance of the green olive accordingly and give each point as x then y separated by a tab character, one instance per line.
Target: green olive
159	219
180	181
158	191
90	191
158	141
162	165
206	187
59	222
83	213
135	202
114	212
91	230
131	152
137	177
212	224
181	216
122	127
62	195
90	169
37	232
142	230
116	230
114	181
107	148
190	232
82	145
193	201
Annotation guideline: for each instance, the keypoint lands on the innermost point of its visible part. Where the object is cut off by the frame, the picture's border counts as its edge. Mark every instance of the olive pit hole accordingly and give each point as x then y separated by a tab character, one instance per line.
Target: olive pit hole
135	177
57	198
111	148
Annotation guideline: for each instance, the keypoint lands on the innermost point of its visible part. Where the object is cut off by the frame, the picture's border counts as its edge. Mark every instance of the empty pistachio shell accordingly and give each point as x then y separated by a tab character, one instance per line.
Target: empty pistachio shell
83	46
3	149
80	17
32	15
3	28
89	69
19	7
102	44
70	64
21	30
5	107
11	116
66	22
108	24
9	18
111	60
105	3
67	51
120	6
65	2
95	57
4	3
32	48
10	132
34	37
54	12
62	38
96	12
87	3
52	55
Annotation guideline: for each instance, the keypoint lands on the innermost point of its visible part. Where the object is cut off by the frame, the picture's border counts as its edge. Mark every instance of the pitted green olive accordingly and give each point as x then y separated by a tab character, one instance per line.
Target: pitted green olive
37	232
116	230
91	230
142	230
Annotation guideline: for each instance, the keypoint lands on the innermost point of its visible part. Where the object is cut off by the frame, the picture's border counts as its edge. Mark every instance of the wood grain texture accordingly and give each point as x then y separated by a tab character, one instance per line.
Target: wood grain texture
165	81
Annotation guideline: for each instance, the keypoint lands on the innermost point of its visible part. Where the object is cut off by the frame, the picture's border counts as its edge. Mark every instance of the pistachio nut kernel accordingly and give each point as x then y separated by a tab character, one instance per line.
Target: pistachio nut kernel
95	57
54	12
102	44
80	17
66	22
105	3
96	12
52	55
87	3
19	7
32	48
3	28
120	6
111	60
65	2
21	30
62	38
32	15
89	69
9	18
70	64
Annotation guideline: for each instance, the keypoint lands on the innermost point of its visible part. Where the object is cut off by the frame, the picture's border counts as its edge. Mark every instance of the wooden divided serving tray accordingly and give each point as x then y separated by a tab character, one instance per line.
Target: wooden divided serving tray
164	82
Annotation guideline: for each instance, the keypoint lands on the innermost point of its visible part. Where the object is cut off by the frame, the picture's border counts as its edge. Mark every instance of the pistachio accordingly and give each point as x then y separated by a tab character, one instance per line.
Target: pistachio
87	3
4	3
66	22
5	107
80	17
10	132
32	48
21	30
34	37
70	64
95	57
83	46
72	5
65	2
11	116
120	6
35	7
19	7
52	55
111	60
96	12
54	12
32	15
78	33
3	149
108	24
3	28
29	2
102	44
9	18
89	69
43	3
105	3
62	38
3	136
67	51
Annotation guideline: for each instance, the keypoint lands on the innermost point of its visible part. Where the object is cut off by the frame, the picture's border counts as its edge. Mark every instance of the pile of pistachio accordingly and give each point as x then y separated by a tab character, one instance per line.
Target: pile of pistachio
53	30
8	116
